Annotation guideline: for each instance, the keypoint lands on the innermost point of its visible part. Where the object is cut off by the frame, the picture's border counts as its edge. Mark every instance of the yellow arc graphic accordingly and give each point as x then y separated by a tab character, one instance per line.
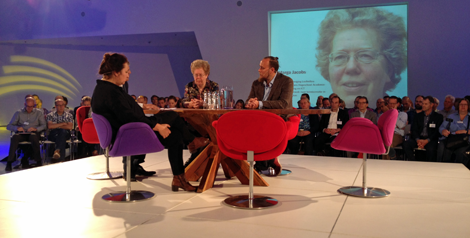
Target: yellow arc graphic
21	78
9	69
31	88
28	59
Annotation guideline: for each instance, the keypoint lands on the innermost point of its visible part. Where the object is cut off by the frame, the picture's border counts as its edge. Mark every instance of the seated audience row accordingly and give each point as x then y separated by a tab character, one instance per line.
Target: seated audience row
421	129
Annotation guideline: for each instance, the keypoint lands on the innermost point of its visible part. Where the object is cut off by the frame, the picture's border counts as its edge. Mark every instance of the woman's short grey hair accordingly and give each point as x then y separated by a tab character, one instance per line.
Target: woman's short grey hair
391	34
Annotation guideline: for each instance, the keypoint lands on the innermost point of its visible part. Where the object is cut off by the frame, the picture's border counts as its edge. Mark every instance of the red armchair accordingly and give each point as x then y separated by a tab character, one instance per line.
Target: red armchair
253	136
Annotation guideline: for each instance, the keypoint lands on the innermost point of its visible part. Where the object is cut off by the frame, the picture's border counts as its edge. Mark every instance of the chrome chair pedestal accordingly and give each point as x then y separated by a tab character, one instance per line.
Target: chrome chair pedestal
128	195
250	201
364	191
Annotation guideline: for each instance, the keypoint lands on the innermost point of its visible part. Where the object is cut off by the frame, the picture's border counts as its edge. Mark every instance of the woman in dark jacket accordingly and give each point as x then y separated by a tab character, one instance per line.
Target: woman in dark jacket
119	108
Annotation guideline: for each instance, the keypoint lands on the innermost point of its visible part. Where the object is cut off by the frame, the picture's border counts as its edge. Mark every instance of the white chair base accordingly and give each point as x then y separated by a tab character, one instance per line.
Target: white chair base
133	196
129	195
364	191
369	192
250	201
257	202
105	175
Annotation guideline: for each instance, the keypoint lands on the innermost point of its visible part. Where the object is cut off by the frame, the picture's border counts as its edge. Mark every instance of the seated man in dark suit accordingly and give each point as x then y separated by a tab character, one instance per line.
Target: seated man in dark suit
362	110
272	90
308	126
424	131
330	125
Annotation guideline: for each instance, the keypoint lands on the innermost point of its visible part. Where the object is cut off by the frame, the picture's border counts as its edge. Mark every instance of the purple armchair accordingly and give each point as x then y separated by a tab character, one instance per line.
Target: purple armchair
361	135
133	138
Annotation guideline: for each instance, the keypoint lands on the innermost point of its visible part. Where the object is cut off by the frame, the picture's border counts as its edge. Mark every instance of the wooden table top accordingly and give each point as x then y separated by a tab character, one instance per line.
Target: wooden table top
222	111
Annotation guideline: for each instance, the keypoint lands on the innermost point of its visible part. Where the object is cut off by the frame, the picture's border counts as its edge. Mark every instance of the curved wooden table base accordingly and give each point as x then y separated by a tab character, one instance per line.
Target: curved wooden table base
204	168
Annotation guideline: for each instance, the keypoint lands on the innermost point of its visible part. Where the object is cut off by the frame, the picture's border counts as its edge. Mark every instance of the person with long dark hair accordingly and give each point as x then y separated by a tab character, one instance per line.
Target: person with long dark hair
119	108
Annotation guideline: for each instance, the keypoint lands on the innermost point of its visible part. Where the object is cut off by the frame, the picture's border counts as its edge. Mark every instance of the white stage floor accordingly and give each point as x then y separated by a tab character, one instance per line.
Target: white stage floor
427	200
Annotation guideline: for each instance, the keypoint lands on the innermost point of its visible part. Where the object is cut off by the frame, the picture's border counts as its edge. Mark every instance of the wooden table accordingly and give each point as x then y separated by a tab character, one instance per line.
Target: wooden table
206	164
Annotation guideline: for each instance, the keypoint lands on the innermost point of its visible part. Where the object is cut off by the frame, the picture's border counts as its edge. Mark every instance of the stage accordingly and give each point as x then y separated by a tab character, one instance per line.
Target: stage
427	200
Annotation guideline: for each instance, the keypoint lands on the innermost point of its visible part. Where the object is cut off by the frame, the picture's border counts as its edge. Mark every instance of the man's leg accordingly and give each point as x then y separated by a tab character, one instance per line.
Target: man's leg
397	139
462	157
431	150
320	142
308	144
408	147
14	141
34	139
440	151
293	145
62	137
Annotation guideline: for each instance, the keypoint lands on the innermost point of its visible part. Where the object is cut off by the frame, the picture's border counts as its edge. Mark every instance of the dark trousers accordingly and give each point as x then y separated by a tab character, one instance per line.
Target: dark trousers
179	136
59	137
320	143
294	144
411	144
17	138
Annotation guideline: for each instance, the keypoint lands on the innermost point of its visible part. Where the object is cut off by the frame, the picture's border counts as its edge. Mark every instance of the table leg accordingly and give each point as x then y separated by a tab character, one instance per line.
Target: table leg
210	173
241	169
227	171
196	169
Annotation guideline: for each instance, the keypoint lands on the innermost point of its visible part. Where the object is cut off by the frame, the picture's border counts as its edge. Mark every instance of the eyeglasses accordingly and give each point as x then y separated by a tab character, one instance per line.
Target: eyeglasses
363	56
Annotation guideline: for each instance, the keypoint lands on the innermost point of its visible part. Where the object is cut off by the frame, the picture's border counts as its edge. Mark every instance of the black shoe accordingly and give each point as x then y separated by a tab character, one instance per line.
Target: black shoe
8	167
141	171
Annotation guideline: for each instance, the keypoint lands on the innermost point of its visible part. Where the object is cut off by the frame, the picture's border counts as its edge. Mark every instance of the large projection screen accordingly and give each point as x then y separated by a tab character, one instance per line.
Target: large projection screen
362	52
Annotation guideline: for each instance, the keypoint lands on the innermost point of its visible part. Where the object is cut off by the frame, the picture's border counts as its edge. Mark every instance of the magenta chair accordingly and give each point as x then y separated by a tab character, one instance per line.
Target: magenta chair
361	135
251	135
133	138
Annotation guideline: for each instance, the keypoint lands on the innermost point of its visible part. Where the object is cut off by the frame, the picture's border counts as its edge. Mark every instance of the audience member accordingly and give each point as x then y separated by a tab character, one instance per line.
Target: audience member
59	123
172	101
154	100
141	99
179	104
308	126
424	131
457	123
399	131
362	111
39	104
240	104
326	103
379	104
26	124
407	104
319	103
448	104
435	104
330	125
418	109
161	102
134	97
386	98
355	106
